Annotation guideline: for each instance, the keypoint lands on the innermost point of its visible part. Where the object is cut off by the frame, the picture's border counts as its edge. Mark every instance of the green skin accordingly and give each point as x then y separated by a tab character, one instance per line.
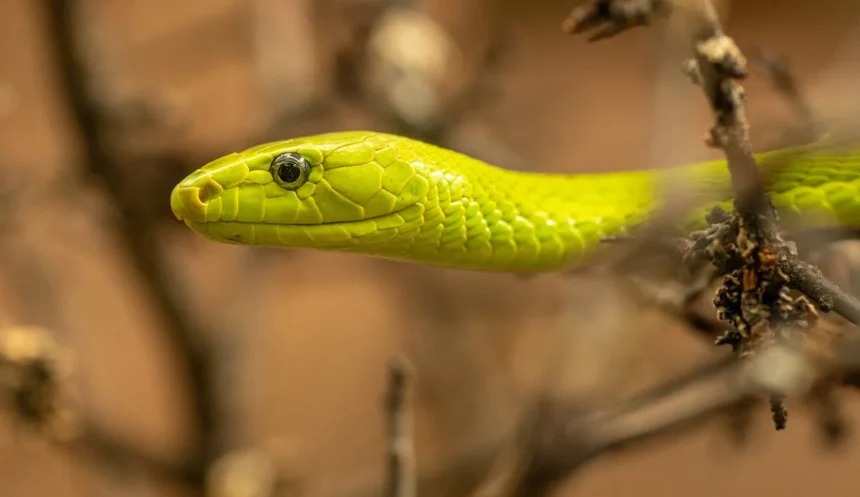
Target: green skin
388	196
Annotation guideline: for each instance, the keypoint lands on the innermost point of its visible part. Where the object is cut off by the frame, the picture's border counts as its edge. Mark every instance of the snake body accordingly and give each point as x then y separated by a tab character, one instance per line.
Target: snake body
389	196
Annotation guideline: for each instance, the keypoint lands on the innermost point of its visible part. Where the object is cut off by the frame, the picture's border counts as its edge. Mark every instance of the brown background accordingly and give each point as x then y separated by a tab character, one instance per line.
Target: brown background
309	334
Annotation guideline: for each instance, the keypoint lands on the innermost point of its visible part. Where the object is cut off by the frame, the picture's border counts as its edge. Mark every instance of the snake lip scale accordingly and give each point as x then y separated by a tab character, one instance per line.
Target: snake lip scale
390	196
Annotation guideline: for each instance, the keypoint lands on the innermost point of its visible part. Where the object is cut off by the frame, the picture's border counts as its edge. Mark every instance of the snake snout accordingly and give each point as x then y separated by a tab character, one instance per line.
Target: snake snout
190	199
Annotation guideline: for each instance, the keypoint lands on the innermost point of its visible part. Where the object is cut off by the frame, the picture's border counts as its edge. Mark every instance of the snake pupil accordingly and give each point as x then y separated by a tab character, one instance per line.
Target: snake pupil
289	172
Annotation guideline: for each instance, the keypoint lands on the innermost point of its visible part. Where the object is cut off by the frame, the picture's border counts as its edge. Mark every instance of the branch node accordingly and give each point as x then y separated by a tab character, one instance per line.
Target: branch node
722	52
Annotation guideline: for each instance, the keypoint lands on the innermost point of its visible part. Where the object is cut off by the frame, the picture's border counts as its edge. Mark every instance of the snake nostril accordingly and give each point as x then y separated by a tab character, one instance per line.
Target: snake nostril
189	201
209	190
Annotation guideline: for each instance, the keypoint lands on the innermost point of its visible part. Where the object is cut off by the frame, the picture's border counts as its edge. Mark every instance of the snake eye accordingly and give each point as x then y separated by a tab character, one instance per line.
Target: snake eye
290	170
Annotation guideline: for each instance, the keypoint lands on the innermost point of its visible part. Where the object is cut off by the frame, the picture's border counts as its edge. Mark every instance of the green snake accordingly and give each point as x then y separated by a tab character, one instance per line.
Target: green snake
389	196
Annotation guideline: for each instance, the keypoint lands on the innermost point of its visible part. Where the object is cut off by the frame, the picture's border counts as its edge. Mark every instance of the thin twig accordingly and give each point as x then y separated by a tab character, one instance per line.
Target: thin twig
401	455
716	66
809	280
778	71
571	444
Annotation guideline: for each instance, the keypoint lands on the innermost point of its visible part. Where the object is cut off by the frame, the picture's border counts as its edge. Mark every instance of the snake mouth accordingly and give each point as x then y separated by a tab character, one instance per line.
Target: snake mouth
340	235
189	221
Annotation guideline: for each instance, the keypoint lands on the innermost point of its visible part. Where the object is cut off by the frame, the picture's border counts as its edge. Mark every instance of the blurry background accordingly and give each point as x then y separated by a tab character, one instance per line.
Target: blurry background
297	343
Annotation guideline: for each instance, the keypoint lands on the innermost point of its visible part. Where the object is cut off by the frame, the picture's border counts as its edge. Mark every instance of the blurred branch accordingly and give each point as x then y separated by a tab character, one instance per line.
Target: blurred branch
108	449
569	443
401	454
568	439
778	70
34	374
102	160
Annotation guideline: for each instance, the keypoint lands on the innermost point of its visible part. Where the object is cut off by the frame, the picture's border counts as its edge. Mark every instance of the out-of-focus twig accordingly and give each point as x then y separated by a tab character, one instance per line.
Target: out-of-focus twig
569	443
135	231
716	66
778	71
569	439
108	449
400	475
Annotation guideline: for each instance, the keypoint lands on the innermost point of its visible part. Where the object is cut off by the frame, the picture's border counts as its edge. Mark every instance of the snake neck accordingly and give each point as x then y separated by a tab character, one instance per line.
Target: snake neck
480	217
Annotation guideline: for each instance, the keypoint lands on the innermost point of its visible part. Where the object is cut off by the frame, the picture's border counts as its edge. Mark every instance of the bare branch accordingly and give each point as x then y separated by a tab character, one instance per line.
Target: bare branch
568	438
778	71
401	455
34	374
110	450
569	443
717	61
134	228
809	280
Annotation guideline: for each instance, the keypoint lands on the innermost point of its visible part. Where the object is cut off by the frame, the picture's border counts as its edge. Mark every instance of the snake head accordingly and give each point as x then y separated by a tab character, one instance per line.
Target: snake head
337	191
